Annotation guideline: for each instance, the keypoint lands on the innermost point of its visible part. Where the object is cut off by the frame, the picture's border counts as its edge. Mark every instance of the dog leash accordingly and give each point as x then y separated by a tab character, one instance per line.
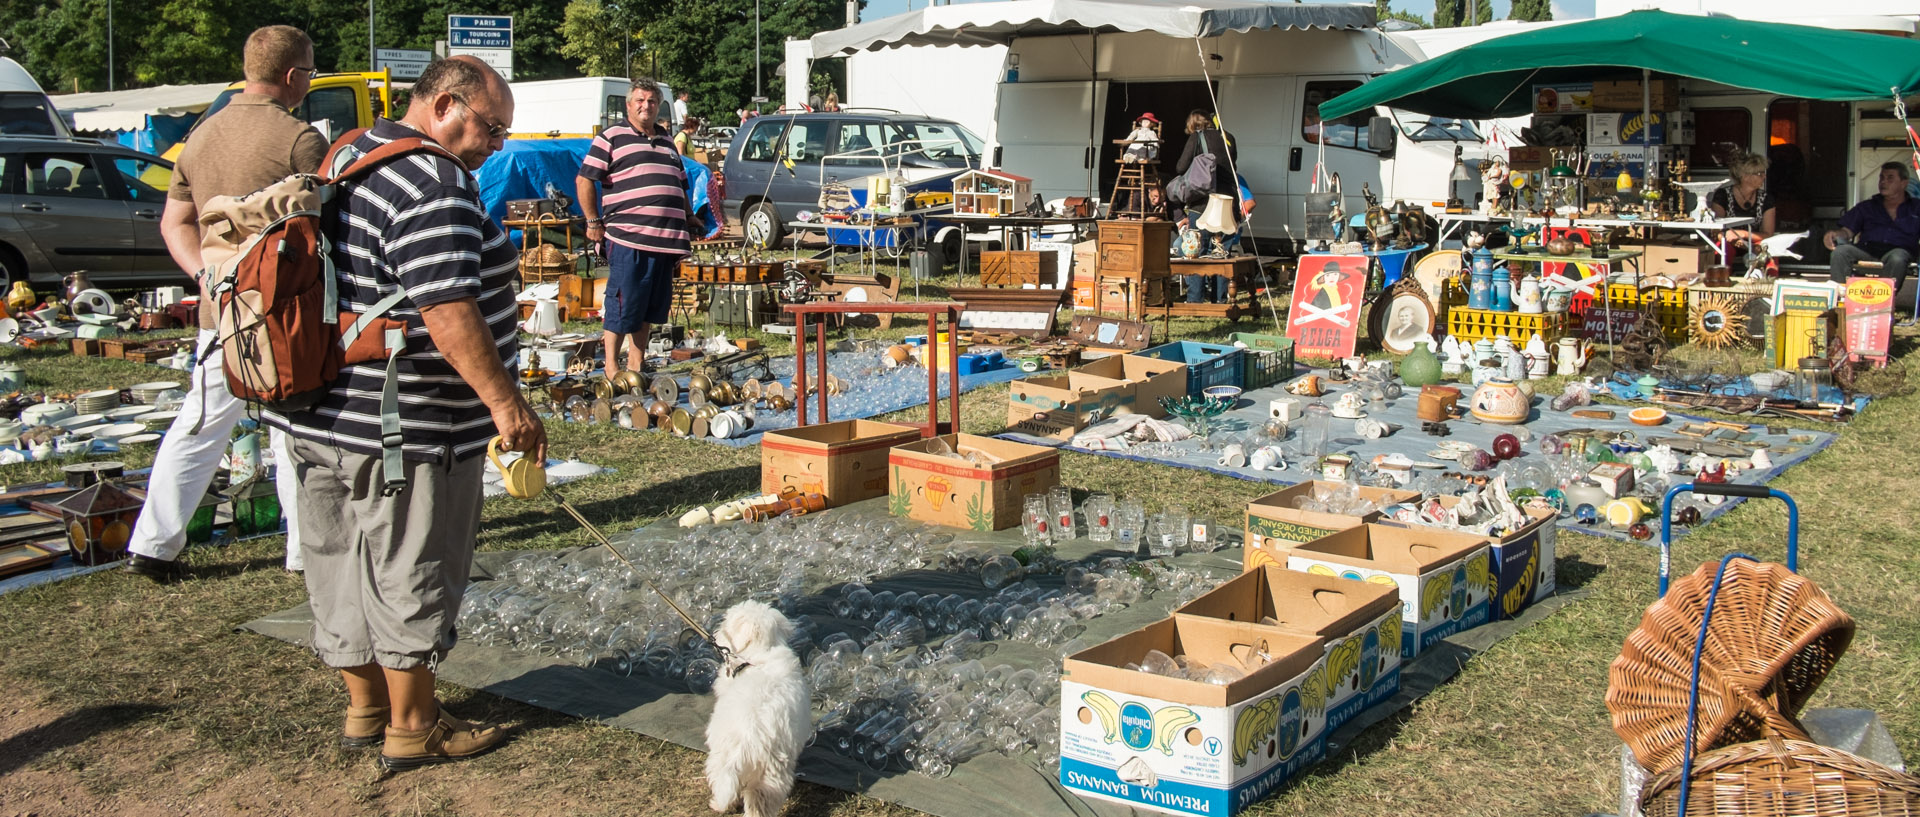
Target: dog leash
608	543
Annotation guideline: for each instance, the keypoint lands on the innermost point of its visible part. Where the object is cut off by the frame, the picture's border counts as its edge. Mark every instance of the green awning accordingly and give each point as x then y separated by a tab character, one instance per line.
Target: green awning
1495	78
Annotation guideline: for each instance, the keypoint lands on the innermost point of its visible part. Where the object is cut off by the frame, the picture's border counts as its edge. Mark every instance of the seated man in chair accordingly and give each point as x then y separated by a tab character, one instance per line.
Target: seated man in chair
1885	228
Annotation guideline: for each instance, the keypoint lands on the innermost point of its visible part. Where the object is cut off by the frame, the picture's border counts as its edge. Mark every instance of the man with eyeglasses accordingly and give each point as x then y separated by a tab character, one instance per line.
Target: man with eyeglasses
386	570
252	142
644	217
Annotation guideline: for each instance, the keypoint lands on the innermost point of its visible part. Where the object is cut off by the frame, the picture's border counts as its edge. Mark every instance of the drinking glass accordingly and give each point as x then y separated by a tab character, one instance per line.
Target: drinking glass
1099	511
1036	521
1060	502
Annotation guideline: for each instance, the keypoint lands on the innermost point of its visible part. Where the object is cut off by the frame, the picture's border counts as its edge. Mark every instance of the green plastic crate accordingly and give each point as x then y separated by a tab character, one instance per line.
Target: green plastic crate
1268	359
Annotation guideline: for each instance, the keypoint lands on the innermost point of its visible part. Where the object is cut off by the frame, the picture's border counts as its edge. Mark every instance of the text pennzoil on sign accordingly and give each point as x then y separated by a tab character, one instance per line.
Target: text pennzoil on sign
1869	318
1324	320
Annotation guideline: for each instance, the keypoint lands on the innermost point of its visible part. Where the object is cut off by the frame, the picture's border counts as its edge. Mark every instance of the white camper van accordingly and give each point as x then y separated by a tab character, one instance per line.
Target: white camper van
573	108
24	108
1064	93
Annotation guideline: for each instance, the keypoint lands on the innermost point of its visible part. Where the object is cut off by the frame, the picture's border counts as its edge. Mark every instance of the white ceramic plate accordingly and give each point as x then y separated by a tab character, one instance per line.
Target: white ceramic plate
128	414
1443	454
140	439
118	430
572	469
81	421
156	386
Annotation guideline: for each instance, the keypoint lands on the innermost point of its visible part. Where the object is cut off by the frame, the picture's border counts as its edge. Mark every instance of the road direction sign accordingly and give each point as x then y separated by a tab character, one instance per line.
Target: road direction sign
405	63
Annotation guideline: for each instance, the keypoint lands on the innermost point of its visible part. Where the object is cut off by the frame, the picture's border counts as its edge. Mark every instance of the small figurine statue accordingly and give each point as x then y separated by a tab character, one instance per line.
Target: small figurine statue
1143	144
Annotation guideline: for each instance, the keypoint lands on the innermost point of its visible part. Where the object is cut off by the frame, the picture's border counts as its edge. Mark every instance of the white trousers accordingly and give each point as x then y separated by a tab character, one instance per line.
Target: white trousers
187	462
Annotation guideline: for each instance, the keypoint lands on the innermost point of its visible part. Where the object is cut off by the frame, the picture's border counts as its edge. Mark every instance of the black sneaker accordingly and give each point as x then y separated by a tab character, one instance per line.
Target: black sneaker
164	571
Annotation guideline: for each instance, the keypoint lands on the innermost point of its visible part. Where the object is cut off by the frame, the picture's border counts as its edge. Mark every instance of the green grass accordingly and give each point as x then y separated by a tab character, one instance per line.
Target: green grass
166	702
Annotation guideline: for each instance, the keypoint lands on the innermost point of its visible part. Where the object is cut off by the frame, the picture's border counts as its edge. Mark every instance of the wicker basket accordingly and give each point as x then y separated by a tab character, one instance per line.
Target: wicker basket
1788	778
1774	637
544	264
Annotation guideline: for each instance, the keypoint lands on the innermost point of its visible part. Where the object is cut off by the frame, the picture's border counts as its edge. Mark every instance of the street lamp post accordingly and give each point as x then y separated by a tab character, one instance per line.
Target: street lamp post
110	44
756	51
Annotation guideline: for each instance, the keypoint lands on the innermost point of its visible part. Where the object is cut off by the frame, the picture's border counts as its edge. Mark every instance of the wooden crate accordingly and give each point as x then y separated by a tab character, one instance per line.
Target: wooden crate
1017	268
86	347
1473	324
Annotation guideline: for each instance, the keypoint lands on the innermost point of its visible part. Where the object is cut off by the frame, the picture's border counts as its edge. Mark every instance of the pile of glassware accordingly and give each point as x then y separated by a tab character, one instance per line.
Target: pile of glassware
1187	668
898	677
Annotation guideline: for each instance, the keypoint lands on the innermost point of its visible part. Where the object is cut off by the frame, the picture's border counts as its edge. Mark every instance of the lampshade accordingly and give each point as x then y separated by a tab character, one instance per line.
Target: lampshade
1218	217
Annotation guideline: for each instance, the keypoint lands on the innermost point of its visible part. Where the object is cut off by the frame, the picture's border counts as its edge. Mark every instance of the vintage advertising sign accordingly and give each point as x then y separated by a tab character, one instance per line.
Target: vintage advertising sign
1324	320
1869	318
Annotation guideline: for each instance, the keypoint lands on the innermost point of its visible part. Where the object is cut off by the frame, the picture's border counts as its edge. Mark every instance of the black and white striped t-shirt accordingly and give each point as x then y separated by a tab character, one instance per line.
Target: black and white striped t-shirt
415	223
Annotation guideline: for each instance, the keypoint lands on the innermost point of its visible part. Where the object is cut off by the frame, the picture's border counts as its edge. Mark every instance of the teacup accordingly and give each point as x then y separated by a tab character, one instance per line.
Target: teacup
524	478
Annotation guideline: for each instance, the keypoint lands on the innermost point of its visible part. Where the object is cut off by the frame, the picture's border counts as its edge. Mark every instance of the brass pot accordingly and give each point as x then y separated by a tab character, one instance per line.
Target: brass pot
628	381
723	393
659	411
604	389
701	382
778	402
682	422
706	411
1563	246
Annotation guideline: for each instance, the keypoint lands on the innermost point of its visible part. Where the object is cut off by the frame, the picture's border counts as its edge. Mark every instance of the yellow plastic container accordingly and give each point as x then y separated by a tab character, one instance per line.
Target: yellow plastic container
942	359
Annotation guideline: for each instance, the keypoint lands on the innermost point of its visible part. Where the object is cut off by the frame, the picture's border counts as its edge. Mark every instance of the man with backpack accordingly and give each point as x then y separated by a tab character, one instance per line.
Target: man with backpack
389	539
249	144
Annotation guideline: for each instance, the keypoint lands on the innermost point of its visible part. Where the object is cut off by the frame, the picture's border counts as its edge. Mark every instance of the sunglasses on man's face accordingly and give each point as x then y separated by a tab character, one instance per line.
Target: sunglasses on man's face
310	72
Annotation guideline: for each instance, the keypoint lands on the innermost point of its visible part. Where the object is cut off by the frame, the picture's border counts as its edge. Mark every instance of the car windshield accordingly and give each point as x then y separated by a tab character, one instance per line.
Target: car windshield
219	102
1423	128
943	142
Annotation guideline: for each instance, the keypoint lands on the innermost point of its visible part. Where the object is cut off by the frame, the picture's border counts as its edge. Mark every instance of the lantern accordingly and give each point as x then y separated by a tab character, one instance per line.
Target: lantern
99	522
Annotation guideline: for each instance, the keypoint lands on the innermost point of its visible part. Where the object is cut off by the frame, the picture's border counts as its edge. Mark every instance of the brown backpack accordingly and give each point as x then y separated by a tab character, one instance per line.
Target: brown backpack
281	332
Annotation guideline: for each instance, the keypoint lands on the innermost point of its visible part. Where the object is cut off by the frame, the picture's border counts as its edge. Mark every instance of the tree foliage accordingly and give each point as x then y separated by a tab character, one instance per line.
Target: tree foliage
1533	11
1453	13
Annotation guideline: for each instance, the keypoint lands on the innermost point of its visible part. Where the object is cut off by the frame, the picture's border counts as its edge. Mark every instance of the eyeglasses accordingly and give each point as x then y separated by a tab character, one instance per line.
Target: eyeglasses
310	72
494	131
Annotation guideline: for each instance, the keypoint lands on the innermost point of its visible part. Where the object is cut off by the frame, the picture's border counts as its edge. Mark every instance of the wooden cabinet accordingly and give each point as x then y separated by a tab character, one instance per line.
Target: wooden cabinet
1132	252
1018	268
1134	249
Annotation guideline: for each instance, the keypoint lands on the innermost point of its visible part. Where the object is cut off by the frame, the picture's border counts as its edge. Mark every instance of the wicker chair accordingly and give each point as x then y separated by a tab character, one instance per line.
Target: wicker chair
1773	639
1789	778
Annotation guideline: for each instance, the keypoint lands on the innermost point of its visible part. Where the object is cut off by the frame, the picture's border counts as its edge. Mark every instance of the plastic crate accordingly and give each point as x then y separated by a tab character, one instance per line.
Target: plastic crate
1669	306
1267	359
1474	324
1208	364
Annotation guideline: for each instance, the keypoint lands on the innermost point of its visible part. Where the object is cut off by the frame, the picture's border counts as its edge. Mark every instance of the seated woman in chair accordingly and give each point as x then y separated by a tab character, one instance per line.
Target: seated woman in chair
1746	197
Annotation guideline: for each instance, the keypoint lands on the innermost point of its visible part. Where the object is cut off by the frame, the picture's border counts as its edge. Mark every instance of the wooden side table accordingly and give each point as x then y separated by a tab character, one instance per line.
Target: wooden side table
1242	273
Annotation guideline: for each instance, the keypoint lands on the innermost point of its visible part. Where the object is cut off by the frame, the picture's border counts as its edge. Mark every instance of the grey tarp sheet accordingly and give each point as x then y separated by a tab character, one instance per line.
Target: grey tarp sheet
991	785
999	23
1252	413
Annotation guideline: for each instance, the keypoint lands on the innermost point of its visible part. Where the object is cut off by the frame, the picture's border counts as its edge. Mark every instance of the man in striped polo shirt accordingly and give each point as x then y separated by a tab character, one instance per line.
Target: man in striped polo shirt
644	218
387	565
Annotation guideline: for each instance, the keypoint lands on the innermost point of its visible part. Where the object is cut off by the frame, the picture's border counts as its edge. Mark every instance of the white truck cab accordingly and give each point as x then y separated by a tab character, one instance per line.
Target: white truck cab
575	108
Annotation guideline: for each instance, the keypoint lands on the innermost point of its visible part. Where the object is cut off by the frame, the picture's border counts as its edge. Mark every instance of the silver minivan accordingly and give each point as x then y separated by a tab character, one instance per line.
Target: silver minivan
70	204
777	163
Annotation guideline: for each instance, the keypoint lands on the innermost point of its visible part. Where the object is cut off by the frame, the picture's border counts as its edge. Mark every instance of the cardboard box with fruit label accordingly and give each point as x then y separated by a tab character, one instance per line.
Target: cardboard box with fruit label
1189	747
1358	621
1445	578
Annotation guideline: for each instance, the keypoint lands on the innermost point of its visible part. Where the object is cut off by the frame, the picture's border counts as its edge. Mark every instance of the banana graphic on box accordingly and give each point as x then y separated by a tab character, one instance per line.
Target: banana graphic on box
1479	574
1107	710
1255	726
1168	723
1434	596
1390	632
1343	665
1315	691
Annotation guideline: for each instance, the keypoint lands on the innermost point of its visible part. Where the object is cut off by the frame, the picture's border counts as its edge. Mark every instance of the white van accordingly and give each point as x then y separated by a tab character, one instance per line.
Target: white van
24	108
1060	101
574	108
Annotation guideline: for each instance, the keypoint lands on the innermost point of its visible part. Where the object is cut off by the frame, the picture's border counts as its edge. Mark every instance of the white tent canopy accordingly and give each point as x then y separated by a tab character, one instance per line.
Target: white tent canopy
1001	22
110	111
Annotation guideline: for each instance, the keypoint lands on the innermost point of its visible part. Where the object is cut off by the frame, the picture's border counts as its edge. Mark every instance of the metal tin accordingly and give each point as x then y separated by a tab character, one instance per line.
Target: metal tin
666	389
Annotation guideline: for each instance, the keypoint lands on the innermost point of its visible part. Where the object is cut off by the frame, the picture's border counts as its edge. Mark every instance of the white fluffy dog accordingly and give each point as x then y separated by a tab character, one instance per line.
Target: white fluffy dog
761	713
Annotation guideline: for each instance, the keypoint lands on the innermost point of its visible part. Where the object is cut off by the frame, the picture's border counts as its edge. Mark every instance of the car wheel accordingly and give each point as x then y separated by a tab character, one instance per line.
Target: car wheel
762	227
950	246
12	268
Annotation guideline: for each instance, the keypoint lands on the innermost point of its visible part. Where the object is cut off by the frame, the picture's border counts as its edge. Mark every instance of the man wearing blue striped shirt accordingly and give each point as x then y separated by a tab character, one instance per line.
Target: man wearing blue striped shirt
387	564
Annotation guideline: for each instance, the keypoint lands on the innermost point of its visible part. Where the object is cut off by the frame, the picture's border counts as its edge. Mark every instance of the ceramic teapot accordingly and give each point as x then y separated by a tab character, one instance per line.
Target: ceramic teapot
523	478
1572	357
1500	401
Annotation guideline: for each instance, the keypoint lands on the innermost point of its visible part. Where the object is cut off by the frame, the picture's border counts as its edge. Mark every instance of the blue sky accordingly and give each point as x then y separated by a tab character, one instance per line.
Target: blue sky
877	9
